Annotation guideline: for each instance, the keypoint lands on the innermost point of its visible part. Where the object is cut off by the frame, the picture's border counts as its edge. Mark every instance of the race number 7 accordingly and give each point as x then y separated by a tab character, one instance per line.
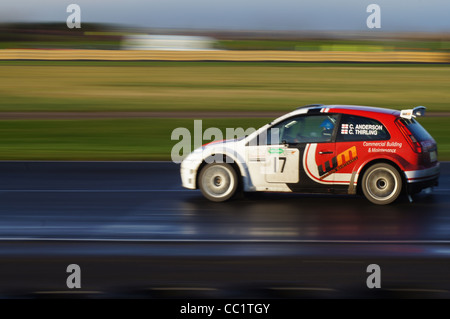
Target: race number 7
281	159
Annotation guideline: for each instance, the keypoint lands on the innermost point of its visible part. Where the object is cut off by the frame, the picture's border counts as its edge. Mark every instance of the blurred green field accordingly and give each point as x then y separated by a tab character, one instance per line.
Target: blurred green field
335	45
210	86
105	139
191	86
129	139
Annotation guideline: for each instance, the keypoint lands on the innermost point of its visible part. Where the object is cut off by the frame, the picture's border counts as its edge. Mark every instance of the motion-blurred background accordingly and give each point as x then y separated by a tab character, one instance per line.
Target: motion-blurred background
115	88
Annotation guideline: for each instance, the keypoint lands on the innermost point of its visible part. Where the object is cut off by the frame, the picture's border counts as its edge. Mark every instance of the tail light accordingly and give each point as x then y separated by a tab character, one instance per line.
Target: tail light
412	141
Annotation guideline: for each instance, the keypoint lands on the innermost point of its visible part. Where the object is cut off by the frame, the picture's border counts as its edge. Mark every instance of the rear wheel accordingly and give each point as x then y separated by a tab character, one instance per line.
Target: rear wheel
382	184
218	182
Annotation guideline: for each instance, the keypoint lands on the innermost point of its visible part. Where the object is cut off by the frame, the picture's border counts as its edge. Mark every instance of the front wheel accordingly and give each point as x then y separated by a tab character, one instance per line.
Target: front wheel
218	182
382	184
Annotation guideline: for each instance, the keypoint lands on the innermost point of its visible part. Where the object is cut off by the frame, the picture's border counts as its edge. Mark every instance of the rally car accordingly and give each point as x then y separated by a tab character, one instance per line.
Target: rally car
380	153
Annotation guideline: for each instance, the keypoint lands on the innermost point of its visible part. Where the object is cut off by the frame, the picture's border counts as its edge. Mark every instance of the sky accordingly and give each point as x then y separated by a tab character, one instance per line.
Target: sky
321	15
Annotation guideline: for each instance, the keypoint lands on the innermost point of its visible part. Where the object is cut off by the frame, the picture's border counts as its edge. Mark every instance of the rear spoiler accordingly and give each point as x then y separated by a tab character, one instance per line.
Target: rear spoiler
417	111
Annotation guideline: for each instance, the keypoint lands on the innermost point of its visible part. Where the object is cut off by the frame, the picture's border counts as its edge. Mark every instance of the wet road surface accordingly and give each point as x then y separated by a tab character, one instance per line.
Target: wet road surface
135	232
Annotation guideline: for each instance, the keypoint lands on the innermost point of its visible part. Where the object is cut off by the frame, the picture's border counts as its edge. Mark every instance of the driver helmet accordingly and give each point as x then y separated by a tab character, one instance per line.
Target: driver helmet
327	126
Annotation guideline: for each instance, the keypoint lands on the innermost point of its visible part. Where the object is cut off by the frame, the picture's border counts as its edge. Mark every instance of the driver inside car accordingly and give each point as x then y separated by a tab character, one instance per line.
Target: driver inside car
327	129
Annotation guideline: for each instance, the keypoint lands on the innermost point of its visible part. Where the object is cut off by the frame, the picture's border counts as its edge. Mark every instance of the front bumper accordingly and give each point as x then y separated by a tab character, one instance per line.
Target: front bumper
187	178
188	171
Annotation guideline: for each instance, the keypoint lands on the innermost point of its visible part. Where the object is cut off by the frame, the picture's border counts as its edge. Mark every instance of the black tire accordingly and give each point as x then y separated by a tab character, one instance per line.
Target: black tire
382	184
218	181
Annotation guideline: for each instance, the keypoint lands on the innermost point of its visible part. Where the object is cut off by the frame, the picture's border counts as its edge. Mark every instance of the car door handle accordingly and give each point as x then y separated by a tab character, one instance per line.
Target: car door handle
325	152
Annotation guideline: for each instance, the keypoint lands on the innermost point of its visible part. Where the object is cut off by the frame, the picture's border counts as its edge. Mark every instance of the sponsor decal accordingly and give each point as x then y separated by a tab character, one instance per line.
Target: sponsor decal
367	129
383	144
276	151
381	147
344	129
361	129
337	162
386	150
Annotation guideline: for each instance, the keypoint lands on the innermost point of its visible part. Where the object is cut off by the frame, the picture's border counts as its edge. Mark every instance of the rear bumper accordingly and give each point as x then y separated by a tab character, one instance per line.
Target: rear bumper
417	187
420	179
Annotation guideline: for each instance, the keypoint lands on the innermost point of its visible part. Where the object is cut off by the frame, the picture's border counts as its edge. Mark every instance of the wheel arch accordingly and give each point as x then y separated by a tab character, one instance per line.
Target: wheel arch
370	163
238	168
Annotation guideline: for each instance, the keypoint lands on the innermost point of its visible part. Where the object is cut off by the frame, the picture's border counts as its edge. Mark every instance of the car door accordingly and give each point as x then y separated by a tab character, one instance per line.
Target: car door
300	151
270	161
282	164
315	141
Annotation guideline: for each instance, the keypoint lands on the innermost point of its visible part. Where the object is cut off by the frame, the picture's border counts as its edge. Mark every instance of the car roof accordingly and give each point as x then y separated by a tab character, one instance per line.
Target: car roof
346	109
360	108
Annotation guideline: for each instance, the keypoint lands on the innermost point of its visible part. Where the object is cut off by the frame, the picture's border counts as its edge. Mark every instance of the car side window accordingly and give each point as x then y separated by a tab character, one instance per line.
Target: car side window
358	128
303	129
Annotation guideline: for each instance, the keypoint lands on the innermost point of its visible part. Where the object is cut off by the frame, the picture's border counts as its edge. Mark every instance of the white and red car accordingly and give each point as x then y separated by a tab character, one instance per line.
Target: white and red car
321	149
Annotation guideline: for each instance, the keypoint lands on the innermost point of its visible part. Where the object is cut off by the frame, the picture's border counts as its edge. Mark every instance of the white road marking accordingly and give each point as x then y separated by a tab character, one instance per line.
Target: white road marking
303	289
81	162
68	292
293	241
442	190
333	261
183	288
91	190
419	290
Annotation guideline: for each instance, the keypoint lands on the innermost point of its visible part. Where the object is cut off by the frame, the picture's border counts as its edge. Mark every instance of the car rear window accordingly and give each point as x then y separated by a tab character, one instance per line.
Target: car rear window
359	128
417	130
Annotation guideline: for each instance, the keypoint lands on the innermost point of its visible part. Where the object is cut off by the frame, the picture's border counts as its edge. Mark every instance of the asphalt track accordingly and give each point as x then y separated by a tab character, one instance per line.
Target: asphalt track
136	233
